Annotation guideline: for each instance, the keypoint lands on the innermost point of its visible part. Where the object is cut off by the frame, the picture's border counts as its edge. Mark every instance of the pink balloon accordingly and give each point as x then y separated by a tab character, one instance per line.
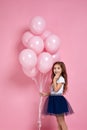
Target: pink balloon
28	58
56	57
30	72
26	37
52	44
36	44
37	25
45	62
45	34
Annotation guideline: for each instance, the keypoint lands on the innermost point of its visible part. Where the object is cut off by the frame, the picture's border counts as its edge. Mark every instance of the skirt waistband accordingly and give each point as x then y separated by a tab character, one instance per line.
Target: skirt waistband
56	94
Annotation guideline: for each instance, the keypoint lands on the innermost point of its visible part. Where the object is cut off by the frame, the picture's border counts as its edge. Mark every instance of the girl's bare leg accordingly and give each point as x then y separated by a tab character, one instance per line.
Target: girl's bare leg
62	123
59	126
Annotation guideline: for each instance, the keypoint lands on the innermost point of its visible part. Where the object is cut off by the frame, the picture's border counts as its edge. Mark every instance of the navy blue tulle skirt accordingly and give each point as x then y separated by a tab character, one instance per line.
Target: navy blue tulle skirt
57	105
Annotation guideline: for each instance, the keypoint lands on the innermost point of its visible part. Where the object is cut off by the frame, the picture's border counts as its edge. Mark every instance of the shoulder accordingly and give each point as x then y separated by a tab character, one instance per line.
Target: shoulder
61	80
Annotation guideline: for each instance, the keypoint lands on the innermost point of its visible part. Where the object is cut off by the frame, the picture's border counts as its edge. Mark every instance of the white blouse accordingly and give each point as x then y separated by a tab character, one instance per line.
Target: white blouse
60	91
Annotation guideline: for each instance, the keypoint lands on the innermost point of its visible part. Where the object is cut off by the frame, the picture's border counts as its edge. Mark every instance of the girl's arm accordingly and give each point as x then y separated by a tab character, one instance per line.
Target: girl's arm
44	94
56	86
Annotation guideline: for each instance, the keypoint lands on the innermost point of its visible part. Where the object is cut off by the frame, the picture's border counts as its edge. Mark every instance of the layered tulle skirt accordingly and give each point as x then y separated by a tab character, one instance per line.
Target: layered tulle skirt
57	105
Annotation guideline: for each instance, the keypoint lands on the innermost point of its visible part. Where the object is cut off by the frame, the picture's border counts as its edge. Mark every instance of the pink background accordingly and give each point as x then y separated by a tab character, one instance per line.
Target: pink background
19	97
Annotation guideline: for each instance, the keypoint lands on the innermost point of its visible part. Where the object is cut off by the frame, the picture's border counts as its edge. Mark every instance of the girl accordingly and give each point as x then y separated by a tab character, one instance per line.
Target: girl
57	104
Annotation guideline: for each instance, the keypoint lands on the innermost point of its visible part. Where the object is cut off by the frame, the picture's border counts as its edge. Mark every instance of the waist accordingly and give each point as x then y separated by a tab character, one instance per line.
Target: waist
56	94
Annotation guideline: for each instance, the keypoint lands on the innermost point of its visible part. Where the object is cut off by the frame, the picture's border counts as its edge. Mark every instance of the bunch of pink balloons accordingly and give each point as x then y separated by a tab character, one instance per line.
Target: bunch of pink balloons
41	48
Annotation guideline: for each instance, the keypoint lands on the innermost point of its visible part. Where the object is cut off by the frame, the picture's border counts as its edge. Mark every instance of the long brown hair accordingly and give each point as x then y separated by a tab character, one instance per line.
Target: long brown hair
64	73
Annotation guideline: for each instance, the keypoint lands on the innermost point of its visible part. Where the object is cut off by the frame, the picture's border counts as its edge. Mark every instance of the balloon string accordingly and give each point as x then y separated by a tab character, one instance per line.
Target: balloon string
39	120
42	82
45	80
40	103
35	81
41	99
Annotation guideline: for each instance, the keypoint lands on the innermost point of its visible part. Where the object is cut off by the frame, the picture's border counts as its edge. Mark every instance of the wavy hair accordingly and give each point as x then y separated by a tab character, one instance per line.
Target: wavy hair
64	73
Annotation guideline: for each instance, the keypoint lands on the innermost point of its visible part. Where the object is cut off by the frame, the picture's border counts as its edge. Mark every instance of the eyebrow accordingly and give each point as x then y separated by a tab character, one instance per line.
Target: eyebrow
57	67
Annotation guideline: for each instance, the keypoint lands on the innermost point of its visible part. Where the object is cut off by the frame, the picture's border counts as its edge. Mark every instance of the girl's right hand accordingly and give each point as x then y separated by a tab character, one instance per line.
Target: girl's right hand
43	94
56	77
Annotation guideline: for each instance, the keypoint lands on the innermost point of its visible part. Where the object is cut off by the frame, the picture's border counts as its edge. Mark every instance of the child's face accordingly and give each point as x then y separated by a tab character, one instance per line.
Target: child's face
57	69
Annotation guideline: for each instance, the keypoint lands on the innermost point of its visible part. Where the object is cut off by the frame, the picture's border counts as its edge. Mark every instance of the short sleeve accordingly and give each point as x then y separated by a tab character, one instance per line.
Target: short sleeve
61	80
